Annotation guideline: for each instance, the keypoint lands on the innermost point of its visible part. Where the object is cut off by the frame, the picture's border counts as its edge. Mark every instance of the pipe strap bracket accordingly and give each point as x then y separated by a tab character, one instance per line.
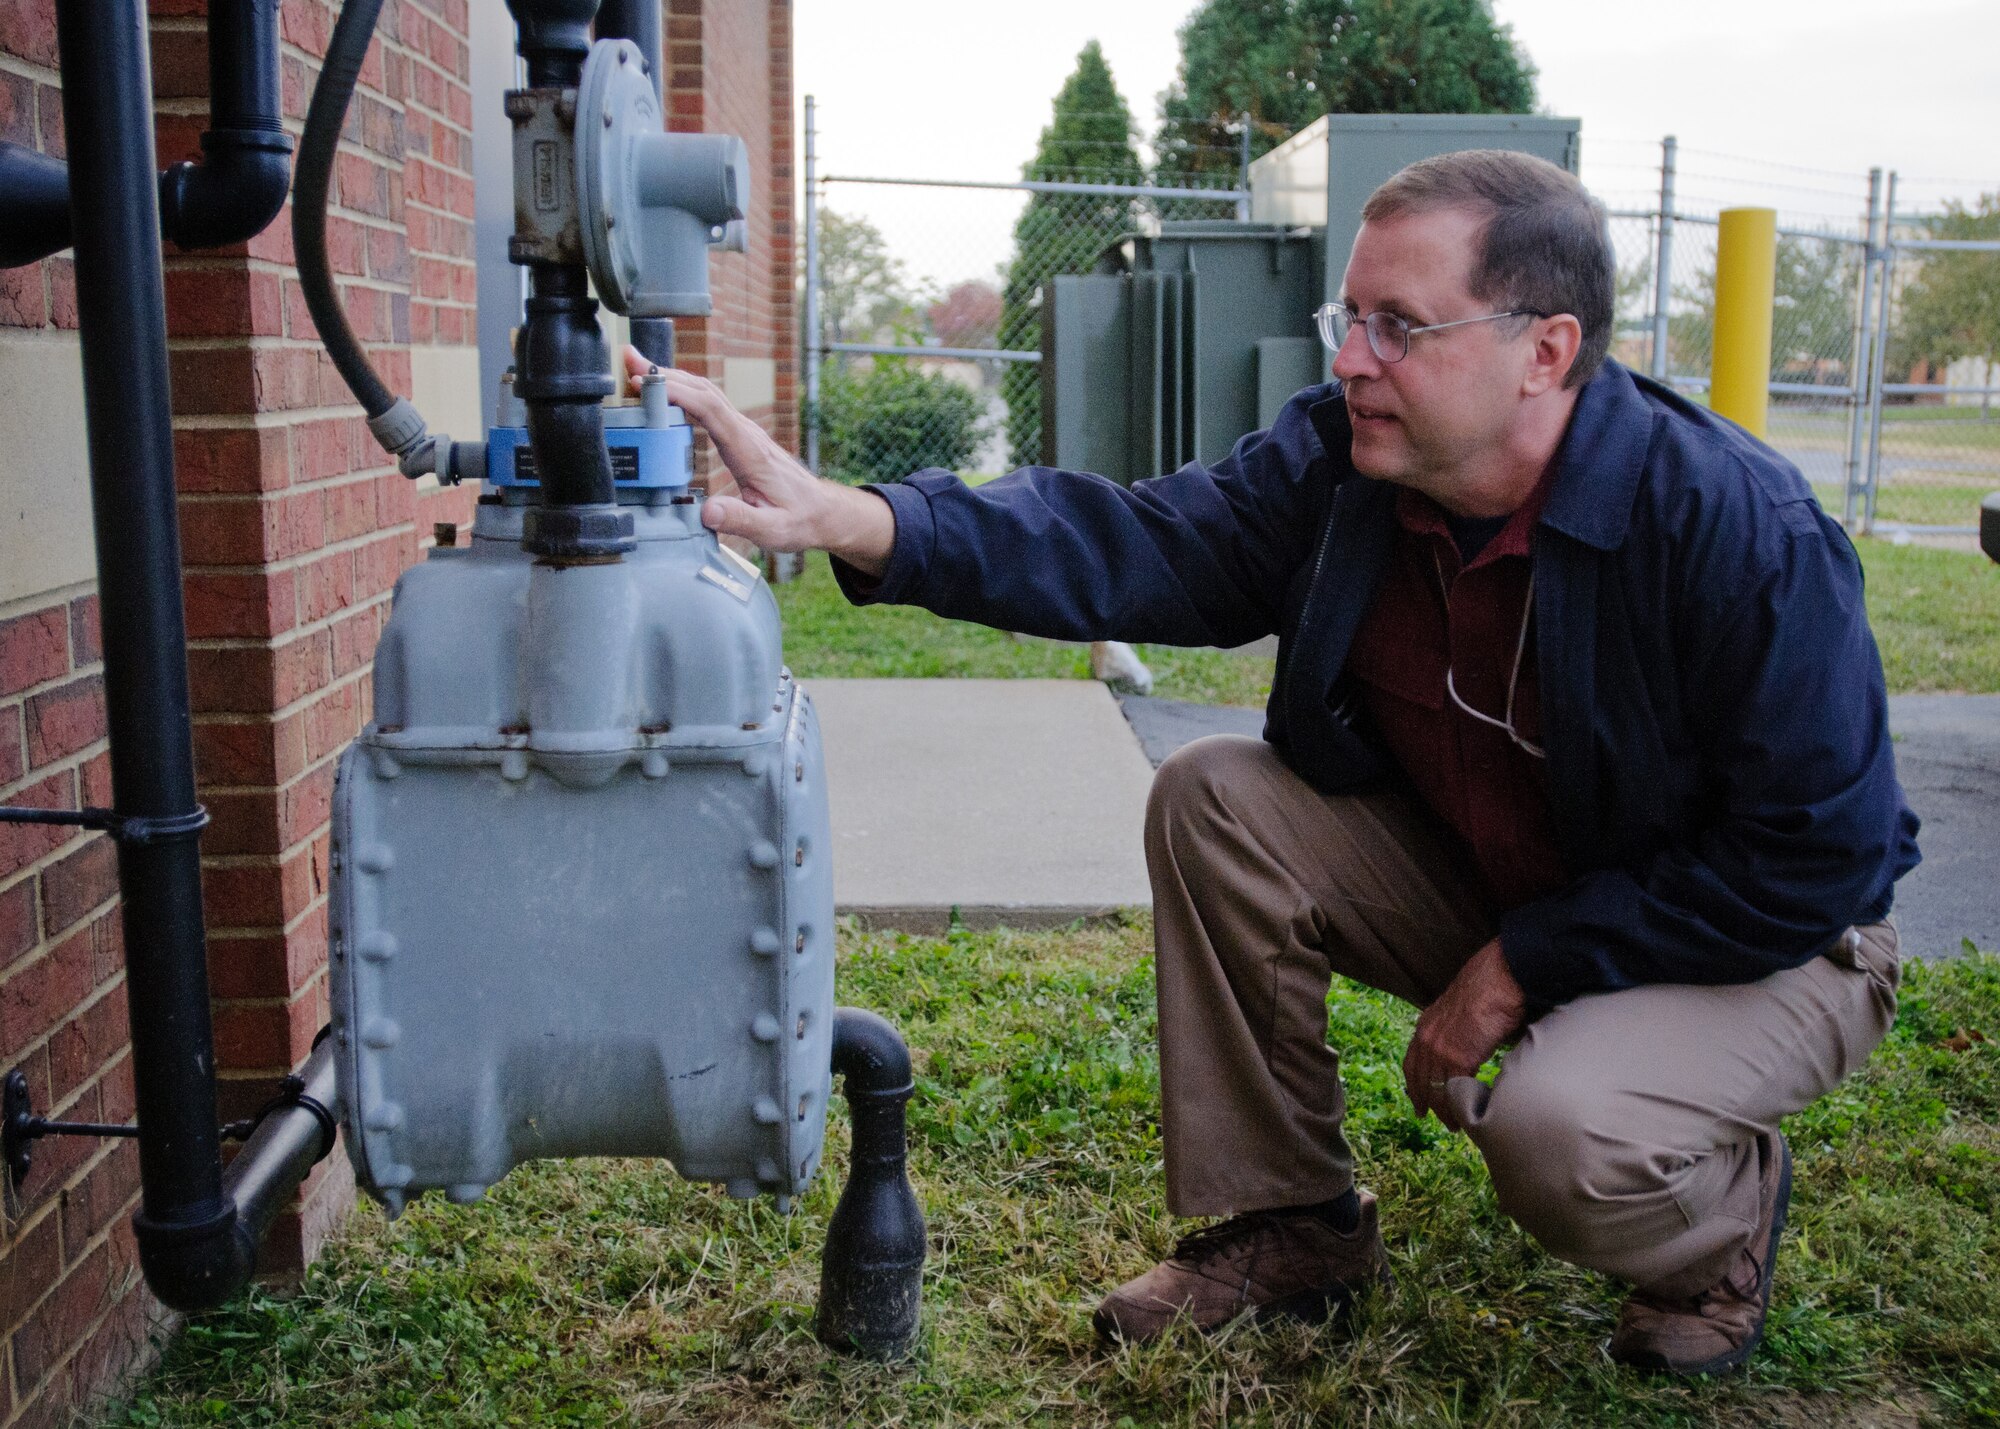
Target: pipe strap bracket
125	828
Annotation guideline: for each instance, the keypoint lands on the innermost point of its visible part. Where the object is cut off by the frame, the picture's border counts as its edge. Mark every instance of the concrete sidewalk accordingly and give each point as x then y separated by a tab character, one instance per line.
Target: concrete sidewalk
1018	802
1022	801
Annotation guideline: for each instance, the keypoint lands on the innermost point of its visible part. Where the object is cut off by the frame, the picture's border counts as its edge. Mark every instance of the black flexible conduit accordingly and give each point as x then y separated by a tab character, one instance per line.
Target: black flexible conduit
324	118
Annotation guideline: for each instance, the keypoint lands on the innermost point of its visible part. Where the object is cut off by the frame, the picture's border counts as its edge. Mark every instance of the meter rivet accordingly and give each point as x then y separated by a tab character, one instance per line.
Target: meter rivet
766	1110
799	943
764	941
763	854
799	855
764	1027
802	1027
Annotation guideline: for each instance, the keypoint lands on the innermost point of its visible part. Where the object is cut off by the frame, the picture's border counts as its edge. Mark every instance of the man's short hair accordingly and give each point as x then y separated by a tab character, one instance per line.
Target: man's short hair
1545	247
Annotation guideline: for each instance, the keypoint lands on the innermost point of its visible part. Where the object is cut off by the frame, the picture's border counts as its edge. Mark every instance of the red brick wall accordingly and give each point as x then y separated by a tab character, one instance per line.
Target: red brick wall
729	71
294	527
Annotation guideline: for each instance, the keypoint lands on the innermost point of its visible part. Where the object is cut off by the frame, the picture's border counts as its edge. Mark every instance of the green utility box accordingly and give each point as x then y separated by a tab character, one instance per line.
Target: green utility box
1187	338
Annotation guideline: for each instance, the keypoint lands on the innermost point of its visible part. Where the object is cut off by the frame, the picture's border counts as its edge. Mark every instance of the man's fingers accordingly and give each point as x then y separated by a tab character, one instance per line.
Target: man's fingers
768	526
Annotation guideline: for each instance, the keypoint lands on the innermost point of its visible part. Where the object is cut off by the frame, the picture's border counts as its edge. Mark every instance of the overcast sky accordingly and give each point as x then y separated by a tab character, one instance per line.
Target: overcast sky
1784	102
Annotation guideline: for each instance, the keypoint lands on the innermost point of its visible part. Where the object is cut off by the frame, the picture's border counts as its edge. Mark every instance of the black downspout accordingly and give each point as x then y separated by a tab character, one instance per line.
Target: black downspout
562	367
639	22
239	185
186	1227
232	194
871	1275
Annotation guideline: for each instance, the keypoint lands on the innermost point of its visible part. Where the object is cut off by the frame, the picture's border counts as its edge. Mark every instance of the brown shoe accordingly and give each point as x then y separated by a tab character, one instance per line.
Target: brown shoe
1264	1263
1716	1331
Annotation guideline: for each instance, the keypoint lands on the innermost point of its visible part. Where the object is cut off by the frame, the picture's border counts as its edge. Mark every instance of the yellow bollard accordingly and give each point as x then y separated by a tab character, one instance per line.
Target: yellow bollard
1746	267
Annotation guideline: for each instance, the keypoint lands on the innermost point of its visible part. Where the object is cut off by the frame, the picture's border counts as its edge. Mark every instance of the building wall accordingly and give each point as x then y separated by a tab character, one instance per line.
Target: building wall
293	529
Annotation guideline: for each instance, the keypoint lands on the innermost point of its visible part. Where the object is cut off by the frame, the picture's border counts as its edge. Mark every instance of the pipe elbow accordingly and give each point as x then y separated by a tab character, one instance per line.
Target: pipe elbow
199	1265
869	1052
232	194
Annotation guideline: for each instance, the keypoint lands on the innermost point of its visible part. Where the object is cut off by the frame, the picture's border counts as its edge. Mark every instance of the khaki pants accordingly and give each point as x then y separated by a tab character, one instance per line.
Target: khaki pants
1622	1130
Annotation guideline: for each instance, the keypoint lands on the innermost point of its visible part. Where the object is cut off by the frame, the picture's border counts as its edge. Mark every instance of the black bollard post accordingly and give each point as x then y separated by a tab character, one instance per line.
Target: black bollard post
871	1278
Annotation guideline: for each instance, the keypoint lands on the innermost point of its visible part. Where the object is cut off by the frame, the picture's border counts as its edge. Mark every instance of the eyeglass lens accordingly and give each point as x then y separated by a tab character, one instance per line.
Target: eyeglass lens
1388	335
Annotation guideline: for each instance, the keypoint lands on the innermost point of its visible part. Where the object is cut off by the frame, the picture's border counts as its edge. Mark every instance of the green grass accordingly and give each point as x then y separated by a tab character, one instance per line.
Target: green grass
1918	503
594	1293
1936	616
826	638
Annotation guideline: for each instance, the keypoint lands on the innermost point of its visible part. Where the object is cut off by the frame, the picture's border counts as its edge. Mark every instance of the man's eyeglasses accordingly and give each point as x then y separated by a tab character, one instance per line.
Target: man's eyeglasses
1388	335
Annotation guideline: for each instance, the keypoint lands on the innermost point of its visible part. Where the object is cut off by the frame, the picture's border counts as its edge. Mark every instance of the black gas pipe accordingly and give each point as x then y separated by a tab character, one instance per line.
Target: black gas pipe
232	194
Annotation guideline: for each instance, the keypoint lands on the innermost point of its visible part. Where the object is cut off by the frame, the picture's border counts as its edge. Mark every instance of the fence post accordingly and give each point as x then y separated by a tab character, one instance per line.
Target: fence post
1663	262
1739	373
812	333
1874	482
1243	175
1858	379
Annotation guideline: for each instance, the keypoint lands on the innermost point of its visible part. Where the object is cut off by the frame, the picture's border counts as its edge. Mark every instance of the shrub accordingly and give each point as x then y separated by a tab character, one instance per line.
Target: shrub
883	423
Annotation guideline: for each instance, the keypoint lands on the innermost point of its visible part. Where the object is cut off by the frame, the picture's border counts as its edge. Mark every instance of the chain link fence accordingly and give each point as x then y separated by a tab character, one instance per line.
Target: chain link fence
922	318
923	327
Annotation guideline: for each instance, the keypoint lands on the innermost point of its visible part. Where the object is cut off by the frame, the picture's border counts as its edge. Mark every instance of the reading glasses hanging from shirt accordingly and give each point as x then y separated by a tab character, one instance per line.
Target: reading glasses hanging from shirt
1506	723
1388	335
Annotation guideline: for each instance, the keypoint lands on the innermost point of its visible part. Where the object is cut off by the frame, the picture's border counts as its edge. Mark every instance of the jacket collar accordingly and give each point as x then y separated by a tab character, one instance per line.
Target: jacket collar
1601	460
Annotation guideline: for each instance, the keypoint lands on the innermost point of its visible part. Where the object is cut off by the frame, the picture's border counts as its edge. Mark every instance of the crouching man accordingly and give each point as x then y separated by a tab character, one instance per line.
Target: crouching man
1577	742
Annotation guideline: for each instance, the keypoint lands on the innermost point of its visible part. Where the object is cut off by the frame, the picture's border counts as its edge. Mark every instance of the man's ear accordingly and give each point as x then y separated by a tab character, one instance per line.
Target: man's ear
1556	342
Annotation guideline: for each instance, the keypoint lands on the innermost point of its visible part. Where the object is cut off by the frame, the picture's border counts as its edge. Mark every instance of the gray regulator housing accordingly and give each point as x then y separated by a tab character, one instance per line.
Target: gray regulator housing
582	899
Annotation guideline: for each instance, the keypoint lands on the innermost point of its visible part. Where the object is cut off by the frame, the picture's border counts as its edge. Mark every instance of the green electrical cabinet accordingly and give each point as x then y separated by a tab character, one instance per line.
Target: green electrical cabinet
1186	338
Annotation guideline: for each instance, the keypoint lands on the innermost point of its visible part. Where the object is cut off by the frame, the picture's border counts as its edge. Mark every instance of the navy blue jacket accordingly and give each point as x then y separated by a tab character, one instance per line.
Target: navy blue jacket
1719	765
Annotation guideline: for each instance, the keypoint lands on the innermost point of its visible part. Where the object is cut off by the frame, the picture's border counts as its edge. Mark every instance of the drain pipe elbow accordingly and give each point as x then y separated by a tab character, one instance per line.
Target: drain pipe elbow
239	185
203	1261
232	194
871	1276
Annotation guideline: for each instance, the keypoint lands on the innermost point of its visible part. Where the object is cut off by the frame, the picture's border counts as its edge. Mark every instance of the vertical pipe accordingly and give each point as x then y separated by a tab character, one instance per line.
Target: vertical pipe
1858	373
1875	372
1243	169
813	339
185	1226
1739	374
1663	263
639	22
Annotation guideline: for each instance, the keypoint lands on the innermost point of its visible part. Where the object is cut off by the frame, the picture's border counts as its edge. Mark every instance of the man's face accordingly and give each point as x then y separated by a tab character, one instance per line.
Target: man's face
1437	417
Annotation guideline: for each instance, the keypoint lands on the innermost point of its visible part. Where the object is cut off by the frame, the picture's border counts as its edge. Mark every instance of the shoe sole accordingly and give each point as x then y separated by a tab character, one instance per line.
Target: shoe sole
1739	1357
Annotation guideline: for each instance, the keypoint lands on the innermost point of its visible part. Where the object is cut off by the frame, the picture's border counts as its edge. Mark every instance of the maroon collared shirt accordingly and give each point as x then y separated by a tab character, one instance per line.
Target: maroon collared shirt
1433	613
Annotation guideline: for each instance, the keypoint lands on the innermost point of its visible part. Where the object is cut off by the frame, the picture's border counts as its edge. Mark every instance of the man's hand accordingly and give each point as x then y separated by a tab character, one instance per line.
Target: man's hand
773	500
1482	1008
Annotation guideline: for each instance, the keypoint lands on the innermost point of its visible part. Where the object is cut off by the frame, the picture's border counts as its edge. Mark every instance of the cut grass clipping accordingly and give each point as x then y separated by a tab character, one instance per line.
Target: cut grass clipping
613	1293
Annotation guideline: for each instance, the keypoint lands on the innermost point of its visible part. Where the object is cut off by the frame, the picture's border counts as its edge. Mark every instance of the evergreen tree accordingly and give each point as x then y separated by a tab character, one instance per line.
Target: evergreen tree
1088	140
1287	62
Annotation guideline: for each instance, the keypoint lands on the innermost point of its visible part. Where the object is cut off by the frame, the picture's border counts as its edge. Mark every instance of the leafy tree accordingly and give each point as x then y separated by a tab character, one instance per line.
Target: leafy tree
1088	140
863	287
968	315
1951	308
1287	62
892	418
